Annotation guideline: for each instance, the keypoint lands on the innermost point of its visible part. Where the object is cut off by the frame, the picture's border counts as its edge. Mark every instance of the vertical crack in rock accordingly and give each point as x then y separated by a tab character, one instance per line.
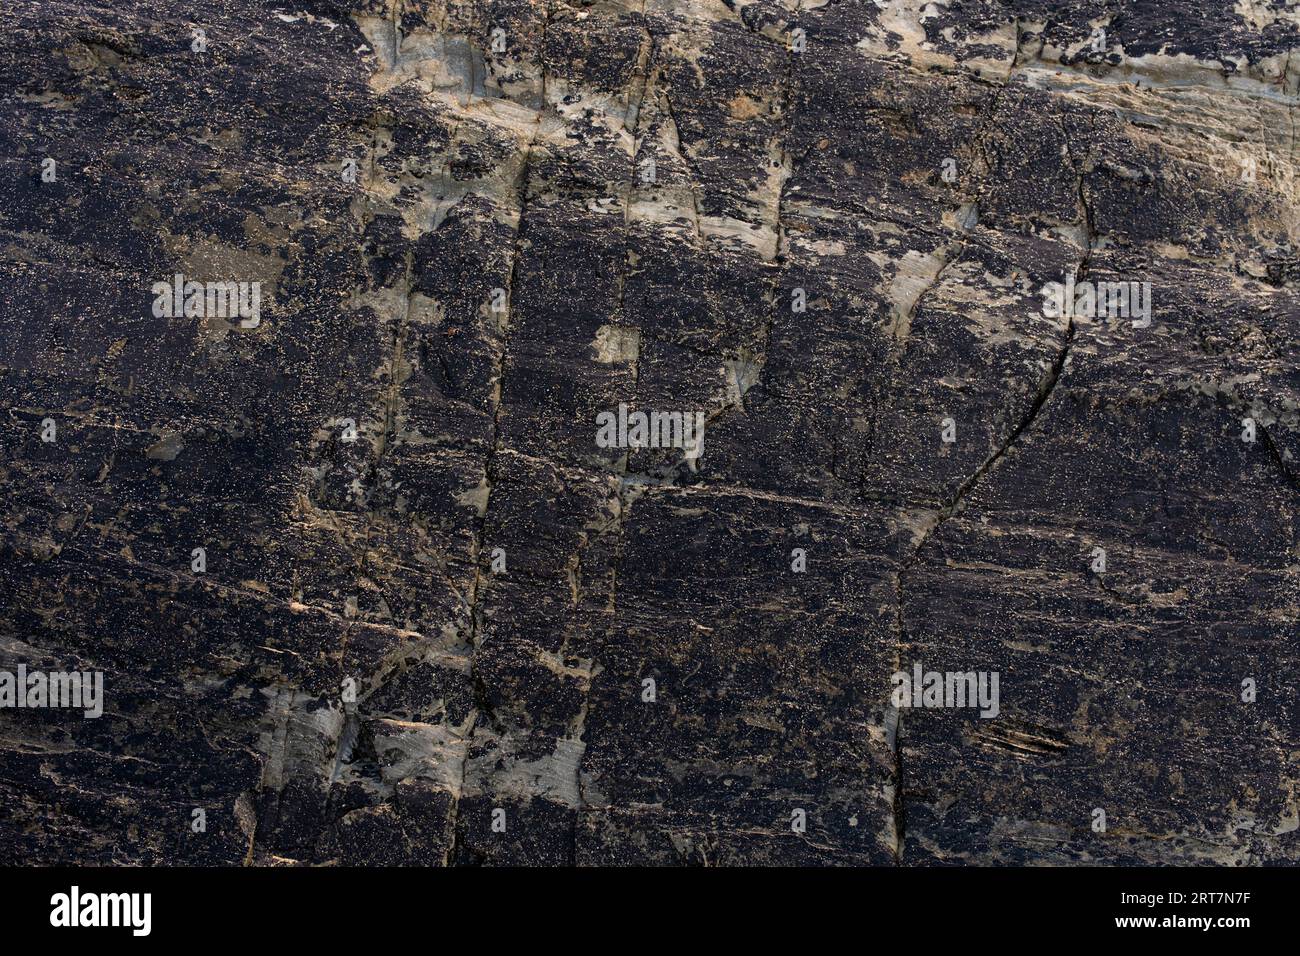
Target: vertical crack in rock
894	717
489	468
966	215
685	158
392	397
787	174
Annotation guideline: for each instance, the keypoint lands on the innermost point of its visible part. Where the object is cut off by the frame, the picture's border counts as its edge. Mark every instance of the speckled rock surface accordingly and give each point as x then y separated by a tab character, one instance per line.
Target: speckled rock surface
435	621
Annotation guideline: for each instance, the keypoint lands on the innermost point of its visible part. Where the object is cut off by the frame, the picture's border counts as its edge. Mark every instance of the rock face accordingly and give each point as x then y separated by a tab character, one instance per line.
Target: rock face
367	585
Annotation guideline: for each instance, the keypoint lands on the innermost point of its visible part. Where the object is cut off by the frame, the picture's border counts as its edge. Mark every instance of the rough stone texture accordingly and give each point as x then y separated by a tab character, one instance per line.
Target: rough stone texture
513	161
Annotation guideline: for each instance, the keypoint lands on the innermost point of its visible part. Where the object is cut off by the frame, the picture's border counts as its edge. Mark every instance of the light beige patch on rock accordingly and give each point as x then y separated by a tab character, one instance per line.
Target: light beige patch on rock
476	497
743	107
167	447
617	343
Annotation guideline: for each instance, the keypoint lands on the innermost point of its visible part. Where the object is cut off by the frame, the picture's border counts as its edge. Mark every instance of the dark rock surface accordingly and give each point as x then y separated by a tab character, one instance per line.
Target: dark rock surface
439	333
